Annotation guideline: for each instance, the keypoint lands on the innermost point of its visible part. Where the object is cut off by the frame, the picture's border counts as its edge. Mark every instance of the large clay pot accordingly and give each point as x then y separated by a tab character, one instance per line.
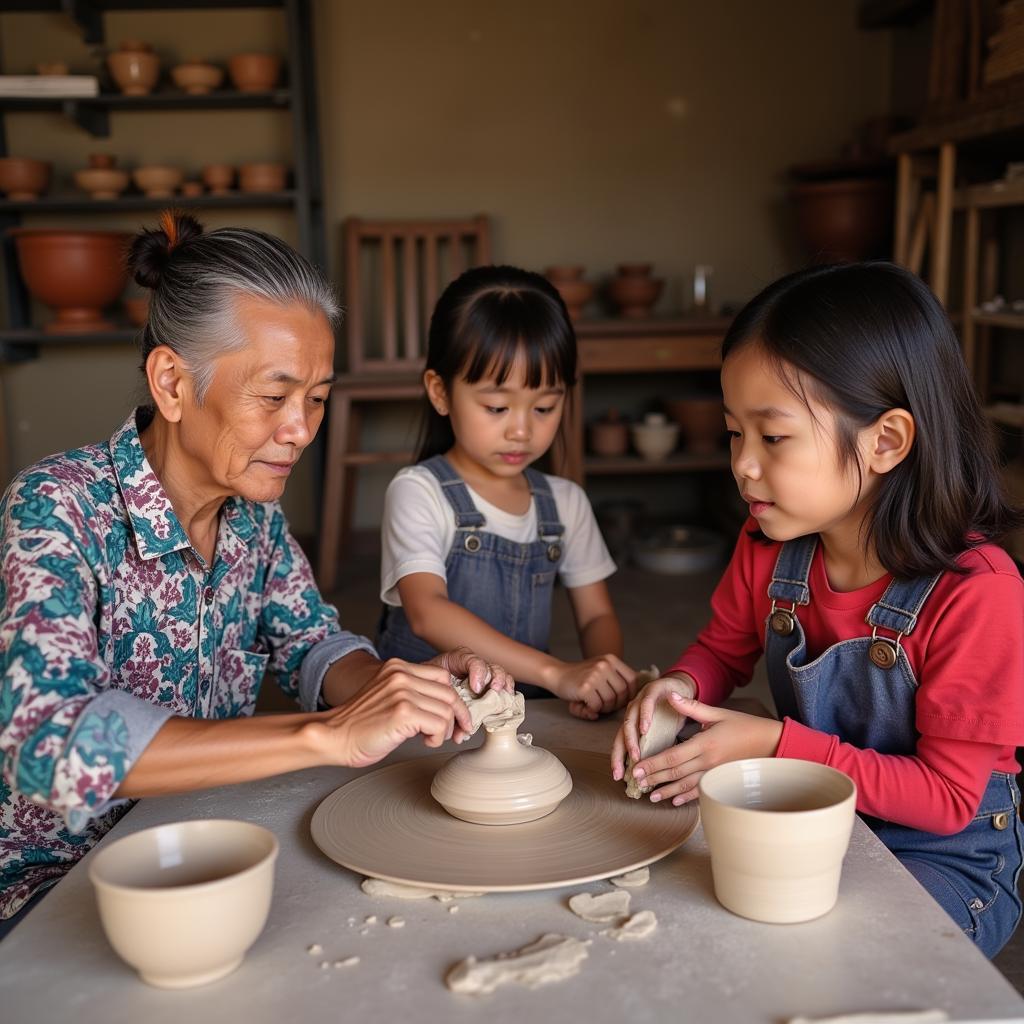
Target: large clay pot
218	178
633	289
845	220
254	72
101	179
262	177
22	179
78	273
609	436
158	181
702	422
135	68
575	292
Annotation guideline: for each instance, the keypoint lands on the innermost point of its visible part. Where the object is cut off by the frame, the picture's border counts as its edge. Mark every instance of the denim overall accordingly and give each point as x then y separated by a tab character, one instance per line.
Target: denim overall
507	584
863	691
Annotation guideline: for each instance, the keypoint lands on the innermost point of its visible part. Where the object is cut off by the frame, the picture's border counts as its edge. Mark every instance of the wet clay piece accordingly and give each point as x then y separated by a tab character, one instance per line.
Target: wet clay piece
385	824
550	958
665	726
605	907
639	926
396	890
632	879
506	781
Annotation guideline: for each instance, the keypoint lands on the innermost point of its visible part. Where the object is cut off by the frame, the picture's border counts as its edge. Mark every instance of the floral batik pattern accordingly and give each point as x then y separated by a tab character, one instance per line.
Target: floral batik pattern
111	623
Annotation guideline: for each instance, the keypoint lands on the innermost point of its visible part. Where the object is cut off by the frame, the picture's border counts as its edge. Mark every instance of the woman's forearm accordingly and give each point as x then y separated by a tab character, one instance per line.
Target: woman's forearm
188	754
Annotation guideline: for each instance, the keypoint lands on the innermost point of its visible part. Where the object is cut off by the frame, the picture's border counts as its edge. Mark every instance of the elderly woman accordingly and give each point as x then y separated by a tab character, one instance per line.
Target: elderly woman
148	583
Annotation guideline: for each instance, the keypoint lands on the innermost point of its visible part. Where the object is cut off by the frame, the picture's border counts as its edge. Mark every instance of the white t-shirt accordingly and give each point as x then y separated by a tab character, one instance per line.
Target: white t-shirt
419	528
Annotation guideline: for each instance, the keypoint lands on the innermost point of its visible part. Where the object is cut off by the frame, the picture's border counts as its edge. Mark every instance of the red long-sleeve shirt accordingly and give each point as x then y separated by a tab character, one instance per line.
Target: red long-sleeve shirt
967	654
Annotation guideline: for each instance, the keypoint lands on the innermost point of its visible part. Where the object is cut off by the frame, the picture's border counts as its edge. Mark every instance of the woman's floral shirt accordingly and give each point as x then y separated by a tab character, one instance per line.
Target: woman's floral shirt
110	623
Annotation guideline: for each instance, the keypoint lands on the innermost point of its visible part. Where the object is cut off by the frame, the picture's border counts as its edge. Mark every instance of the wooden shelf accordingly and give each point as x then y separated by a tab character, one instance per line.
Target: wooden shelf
991	195
25	6
73	204
222	99
1013	321
679	462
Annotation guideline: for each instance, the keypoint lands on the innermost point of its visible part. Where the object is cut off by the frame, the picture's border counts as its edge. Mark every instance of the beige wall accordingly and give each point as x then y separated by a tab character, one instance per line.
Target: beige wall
594	132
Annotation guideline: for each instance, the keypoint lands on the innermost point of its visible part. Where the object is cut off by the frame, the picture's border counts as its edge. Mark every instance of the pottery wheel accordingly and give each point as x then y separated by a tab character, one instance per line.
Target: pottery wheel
387	825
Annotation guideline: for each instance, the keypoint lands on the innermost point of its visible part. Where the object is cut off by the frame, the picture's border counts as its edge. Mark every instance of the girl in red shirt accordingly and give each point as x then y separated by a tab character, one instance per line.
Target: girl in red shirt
891	625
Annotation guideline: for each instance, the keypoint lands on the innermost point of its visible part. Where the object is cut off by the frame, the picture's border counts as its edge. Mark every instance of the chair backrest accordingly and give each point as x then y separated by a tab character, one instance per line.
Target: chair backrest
394	272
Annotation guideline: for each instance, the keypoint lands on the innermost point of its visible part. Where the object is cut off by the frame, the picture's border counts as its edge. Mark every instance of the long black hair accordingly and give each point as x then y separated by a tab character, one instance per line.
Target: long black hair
483	322
864	338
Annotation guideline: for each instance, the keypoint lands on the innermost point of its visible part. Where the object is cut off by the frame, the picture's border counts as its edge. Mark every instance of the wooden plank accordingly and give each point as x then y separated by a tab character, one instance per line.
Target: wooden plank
411	298
942	236
972	242
389	289
639	354
904	202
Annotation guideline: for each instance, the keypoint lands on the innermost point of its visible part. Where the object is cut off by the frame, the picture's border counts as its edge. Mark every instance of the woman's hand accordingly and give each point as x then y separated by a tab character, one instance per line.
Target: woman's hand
401	700
462	663
593	687
640	714
725	736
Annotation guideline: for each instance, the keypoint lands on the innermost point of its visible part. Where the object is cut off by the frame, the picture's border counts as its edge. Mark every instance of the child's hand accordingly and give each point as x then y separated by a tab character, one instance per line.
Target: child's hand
640	714
725	736
595	686
464	664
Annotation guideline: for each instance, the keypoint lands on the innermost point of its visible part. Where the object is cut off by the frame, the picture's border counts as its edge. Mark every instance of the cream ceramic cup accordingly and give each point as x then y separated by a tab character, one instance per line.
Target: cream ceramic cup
181	903
777	829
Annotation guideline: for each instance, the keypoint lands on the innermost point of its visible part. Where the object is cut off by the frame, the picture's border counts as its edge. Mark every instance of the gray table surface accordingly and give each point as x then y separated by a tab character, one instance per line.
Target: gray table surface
885	946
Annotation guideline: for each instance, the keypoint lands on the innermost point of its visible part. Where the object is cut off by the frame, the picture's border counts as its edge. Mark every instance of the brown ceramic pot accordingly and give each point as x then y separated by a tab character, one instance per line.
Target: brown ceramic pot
101	179
845	220
191	189
157	181
135	68
254	72
702	422
575	292
196	77
609	436
218	178
22	179
633	290
262	177
77	273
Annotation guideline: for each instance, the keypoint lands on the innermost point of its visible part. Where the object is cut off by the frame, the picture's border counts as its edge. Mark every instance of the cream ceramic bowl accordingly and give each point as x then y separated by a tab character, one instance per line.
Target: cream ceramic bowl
181	903
655	439
777	829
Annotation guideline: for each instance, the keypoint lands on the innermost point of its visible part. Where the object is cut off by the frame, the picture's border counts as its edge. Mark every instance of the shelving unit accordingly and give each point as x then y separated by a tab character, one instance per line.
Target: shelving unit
92	114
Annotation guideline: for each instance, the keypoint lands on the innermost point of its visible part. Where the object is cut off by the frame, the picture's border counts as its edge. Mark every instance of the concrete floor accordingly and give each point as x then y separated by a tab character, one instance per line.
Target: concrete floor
659	615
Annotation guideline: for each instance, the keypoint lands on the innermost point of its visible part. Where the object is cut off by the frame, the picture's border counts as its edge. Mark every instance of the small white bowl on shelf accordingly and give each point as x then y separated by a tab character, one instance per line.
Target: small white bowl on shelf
655	438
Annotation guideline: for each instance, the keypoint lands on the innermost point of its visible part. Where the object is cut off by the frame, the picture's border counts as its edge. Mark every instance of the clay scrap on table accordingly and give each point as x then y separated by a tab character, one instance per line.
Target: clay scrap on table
396	890
882	1017
632	879
550	958
600	909
639	926
660	736
493	709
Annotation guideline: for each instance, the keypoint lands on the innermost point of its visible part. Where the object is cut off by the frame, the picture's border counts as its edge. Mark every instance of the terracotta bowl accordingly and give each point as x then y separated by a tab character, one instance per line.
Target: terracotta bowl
77	273
777	829
609	437
254	72
575	292
702	421
102	182
135	68
21	178
262	177
157	180
633	291
197	78
181	903
218	178
137	309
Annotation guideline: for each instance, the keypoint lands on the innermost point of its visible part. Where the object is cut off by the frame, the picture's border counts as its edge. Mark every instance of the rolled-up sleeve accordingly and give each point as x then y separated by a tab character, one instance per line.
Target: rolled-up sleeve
298	626
66	738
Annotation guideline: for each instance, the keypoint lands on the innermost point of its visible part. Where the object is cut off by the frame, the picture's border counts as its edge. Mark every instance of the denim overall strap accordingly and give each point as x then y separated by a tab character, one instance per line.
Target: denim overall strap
898	608
549	526
792	568
467	516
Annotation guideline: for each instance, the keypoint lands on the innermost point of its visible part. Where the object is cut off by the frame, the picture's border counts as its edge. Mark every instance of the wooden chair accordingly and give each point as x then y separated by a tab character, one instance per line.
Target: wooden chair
394	272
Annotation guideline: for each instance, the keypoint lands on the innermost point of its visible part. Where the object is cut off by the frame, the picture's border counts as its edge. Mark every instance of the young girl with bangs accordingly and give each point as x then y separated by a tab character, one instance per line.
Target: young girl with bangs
868	577
473	536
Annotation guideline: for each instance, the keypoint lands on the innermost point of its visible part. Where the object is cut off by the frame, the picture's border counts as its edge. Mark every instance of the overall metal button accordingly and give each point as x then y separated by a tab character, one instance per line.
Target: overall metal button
472	542
977	904
782	622
554	552
1000	820
883	653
